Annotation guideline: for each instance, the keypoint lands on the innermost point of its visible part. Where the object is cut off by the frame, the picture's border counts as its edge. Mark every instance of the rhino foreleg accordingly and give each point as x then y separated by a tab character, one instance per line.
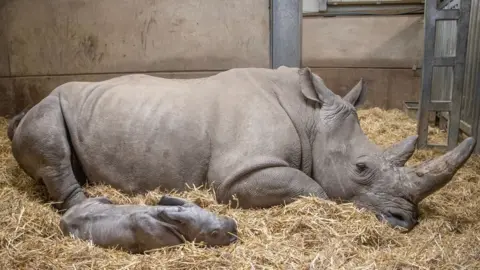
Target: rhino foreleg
269	187
42	149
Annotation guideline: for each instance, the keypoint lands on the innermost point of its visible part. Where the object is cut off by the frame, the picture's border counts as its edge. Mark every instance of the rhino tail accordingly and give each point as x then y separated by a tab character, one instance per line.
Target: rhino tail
13	123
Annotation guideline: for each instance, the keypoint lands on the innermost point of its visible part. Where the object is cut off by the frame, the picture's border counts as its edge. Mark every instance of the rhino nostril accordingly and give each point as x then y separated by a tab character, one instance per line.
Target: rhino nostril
233	238
233	235
401	220
398	217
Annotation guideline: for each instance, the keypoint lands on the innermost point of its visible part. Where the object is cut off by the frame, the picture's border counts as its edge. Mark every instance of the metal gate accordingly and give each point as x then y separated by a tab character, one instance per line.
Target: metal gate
449	63
447	32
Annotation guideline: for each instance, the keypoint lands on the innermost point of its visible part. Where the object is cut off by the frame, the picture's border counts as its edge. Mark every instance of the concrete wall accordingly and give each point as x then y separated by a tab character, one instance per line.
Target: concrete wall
381	49
363	41
44	43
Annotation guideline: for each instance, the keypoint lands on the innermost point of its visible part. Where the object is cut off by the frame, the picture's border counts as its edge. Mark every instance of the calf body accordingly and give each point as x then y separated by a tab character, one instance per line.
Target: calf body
139	228
258	137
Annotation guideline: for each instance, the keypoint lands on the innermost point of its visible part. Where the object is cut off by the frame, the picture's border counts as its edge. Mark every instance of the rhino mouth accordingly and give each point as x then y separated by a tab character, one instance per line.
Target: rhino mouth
399	220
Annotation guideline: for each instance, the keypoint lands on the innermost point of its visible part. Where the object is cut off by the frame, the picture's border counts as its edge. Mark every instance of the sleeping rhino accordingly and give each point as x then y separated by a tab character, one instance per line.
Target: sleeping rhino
257	137
139	228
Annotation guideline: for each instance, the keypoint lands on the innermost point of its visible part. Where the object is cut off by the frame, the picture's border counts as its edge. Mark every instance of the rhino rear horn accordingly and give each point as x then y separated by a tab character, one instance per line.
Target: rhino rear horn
399	153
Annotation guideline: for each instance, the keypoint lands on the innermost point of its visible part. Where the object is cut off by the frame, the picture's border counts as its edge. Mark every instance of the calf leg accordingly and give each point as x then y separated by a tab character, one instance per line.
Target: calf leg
42	149
269	187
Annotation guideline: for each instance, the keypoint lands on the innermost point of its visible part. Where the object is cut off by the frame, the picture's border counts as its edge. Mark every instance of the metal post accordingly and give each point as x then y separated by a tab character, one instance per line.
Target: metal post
476	115
427	71
432	15
459	74
286	33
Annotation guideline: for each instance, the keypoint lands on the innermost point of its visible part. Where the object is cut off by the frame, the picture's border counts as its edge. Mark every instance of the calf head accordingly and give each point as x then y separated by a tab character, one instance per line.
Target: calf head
351	168
198	224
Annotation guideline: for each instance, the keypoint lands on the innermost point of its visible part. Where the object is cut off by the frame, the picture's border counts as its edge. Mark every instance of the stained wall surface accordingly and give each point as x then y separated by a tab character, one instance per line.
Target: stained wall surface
387	51
46	43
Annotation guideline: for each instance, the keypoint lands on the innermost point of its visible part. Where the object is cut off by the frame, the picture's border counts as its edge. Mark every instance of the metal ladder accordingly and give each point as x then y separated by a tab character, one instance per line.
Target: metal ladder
457	62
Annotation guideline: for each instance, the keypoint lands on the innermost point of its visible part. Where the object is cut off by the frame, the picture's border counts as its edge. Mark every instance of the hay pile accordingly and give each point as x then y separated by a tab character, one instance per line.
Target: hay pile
308	234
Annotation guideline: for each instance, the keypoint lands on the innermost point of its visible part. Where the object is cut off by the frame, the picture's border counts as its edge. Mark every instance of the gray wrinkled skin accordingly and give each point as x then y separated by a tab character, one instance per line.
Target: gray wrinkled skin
139	228
263	136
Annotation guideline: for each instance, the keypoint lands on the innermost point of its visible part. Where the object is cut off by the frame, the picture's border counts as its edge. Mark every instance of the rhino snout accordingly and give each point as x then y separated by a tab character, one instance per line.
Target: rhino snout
228	233
234	232
398	219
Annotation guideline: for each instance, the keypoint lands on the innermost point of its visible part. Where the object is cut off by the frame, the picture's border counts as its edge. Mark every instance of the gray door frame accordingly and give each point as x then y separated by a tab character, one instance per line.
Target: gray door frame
286	33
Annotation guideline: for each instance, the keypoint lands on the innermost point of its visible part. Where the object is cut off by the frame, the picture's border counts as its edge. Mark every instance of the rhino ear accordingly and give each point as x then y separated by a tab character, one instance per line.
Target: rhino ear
103	200
167	200
357	95
176	216
314	89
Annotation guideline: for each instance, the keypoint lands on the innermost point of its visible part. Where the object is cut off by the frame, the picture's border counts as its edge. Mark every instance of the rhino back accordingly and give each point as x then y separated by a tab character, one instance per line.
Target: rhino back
138	132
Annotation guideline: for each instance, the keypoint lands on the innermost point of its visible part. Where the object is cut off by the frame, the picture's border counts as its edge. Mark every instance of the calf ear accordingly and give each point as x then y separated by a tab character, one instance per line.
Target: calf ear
167	200
313	87
176	216
357	95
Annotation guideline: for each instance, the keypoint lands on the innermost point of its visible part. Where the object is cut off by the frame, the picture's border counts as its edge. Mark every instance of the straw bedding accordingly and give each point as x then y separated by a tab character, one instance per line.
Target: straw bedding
308	234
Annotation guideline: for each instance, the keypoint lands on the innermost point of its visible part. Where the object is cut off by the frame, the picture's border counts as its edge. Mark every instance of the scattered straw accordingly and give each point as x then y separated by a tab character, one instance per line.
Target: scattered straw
308	234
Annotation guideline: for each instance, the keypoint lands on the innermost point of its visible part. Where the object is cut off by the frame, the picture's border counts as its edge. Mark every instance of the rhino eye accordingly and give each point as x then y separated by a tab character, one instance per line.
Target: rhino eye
361	166
214	233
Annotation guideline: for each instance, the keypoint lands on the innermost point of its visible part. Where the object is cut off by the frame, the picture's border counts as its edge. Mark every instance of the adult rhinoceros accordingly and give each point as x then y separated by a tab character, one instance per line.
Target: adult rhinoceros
264	135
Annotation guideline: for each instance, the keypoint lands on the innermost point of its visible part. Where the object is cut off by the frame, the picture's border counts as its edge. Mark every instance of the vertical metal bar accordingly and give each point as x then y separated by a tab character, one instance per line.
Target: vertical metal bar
286	33
476	114
472	68
427	72
459	72
270	9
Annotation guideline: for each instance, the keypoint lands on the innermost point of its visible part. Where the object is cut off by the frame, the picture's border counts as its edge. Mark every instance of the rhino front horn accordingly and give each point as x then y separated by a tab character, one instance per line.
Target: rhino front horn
432	175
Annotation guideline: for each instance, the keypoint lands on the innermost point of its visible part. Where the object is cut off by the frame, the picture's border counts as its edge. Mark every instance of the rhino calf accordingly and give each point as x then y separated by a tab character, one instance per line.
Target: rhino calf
138	228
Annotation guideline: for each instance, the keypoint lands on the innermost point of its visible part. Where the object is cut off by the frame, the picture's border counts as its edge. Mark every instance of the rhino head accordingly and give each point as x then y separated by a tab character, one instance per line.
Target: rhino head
198	224
350	168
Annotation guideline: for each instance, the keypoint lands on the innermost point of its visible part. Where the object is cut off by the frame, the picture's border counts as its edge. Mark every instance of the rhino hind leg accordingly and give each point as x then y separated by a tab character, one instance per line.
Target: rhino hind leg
269	187
41	147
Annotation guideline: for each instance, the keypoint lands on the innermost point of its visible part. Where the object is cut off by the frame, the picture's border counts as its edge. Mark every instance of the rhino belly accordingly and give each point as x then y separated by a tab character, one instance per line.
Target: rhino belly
137	145
164	166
